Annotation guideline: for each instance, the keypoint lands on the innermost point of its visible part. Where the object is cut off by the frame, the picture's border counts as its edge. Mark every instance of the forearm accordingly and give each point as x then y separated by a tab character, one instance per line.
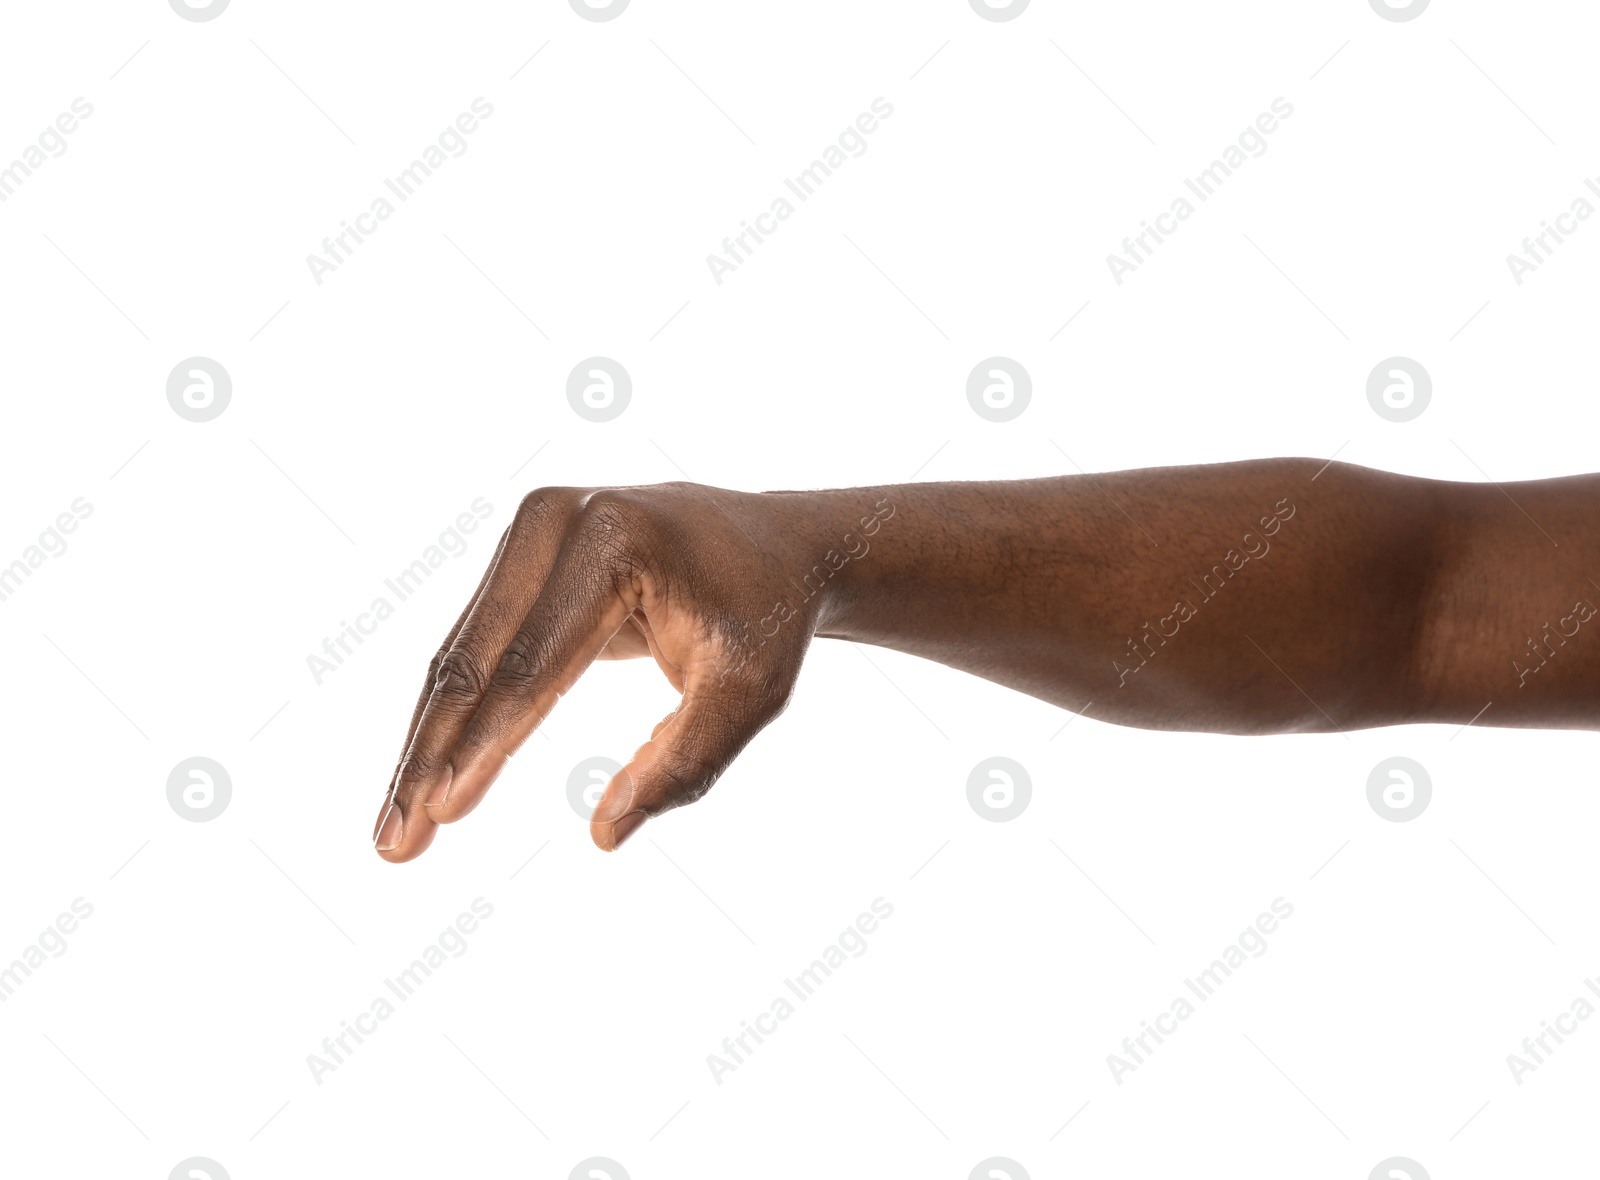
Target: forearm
1241	598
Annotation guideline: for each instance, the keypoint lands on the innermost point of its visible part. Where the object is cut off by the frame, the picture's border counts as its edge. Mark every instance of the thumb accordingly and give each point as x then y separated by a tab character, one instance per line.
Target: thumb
686	754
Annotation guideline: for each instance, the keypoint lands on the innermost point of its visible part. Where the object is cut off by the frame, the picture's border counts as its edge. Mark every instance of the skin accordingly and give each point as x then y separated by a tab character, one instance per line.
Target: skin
1271	596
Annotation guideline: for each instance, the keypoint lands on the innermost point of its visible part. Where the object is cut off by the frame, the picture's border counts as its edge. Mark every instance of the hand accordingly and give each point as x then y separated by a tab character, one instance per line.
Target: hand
688	575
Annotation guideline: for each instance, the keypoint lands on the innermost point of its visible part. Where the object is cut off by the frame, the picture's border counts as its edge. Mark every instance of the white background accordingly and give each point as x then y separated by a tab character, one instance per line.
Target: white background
369	410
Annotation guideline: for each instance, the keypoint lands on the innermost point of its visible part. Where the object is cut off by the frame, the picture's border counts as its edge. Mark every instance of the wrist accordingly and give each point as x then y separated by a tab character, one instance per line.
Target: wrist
830	540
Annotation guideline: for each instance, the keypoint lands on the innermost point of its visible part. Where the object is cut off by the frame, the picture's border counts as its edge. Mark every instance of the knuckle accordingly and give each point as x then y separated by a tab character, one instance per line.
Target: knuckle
616	508
518	663
417	767
433	671
458	676
691	777
540	506
529	508
614	525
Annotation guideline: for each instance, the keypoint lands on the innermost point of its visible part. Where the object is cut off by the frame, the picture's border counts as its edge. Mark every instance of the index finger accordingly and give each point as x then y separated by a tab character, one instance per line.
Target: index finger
462	671
450	638
584	602
432	676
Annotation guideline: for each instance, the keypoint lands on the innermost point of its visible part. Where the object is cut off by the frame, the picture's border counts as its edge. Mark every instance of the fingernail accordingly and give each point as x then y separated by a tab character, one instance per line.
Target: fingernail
383	813
625	827
389	829
441	789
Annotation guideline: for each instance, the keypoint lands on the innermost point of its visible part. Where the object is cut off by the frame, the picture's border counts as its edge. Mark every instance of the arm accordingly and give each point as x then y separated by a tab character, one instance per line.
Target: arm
1261	597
